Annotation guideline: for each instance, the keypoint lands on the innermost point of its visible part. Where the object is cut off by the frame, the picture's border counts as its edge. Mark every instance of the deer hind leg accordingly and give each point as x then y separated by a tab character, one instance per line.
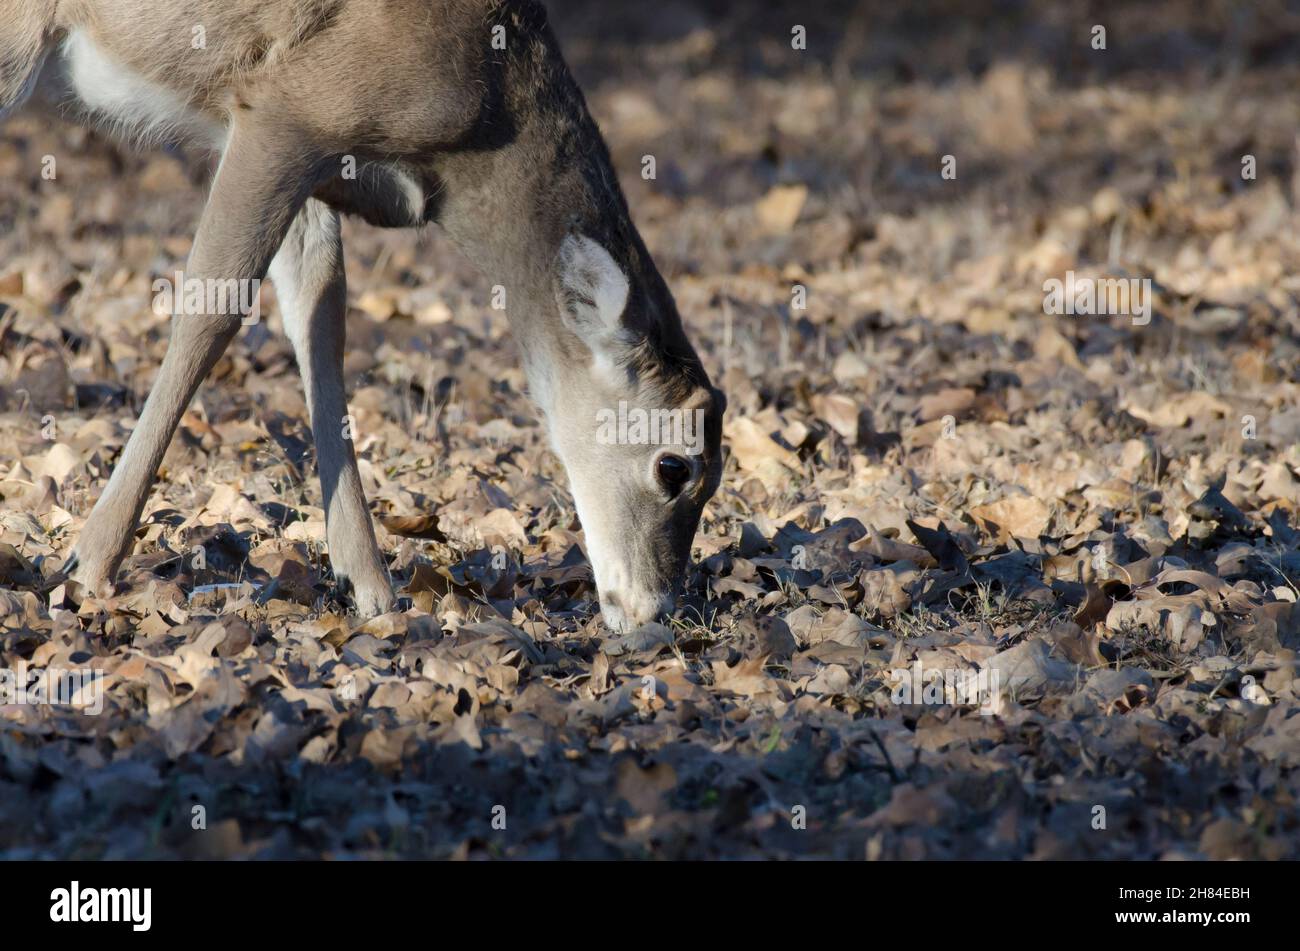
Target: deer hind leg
23	48
311	288
266	174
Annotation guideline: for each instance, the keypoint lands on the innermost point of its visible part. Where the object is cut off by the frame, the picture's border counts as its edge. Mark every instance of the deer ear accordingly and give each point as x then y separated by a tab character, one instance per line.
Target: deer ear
592	292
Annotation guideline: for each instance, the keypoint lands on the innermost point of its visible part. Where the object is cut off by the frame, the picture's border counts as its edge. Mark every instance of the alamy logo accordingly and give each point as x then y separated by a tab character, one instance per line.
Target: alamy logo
636	426
134	905
207	297
939	686
81	688
1099	297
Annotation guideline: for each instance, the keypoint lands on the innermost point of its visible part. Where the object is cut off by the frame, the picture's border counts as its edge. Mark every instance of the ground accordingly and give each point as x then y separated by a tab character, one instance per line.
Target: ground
926	467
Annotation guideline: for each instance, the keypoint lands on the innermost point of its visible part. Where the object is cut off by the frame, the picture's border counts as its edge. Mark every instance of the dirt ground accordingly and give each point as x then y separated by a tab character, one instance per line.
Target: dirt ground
1088	515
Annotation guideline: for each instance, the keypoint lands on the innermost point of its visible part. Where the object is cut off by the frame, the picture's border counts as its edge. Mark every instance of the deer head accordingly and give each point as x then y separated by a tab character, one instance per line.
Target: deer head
628	405
638	426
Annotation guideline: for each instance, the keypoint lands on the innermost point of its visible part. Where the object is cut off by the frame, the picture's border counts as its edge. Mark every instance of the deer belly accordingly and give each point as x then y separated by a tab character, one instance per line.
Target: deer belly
130	104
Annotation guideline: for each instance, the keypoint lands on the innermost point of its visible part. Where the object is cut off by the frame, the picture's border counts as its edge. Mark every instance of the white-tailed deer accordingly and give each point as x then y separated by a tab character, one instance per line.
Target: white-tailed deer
459	112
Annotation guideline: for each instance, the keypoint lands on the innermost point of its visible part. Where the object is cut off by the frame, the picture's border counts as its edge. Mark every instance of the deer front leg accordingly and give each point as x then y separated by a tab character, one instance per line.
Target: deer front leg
265	176
312	290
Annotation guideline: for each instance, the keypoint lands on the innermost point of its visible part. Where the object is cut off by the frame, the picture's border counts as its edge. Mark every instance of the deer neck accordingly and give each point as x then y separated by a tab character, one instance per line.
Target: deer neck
536	171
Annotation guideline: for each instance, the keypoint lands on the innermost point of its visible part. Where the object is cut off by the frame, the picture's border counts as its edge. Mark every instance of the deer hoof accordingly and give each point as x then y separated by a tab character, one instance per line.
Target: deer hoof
86	578
372	600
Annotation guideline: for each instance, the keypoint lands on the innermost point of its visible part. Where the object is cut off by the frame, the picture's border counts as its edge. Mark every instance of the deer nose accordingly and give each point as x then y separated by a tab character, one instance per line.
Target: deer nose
624	611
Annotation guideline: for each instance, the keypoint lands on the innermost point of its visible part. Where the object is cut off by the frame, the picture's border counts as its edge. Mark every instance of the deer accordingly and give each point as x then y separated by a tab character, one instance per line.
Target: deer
404	113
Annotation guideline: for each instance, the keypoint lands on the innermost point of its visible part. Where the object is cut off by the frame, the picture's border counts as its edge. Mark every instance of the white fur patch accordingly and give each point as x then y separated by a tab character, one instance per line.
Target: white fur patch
132	105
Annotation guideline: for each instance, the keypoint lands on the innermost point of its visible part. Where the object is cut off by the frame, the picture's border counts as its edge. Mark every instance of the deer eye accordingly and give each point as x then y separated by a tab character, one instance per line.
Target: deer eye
674	472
